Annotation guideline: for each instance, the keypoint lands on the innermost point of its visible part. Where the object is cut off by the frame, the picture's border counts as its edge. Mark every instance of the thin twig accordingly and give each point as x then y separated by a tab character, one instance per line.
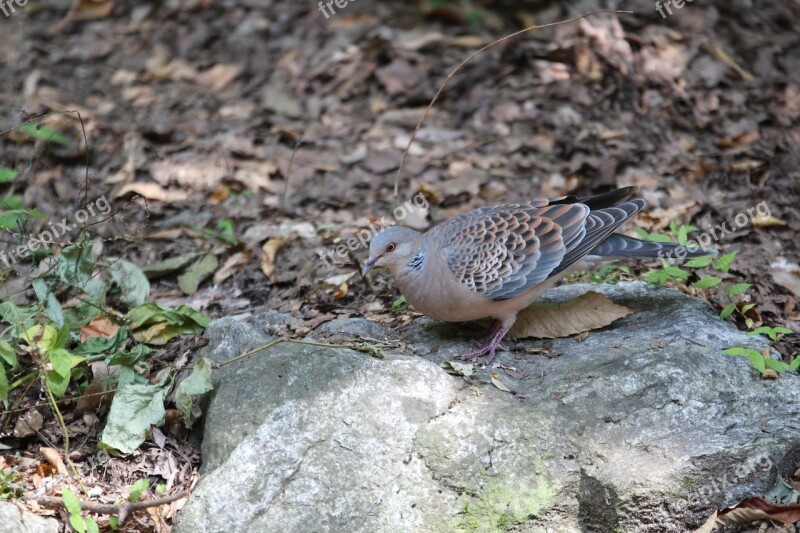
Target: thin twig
63	426
467	60
289	170
122	510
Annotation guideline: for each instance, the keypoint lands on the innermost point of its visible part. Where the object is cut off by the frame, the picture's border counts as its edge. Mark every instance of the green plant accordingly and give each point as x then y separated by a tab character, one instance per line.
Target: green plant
761	361
11	484
76	520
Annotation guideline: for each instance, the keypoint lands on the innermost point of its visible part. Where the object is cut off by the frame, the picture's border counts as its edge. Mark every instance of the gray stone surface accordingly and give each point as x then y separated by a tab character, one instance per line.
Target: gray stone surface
12	520
642	426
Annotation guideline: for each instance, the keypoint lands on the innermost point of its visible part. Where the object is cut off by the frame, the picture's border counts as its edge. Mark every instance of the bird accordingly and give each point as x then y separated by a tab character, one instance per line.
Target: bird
494	261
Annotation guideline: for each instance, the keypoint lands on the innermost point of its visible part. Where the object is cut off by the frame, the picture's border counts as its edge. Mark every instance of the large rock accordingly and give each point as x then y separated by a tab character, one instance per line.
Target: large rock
14	520
643	426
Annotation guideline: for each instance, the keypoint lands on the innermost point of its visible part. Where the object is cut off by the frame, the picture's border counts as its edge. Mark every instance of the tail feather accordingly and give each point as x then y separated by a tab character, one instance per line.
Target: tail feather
618	245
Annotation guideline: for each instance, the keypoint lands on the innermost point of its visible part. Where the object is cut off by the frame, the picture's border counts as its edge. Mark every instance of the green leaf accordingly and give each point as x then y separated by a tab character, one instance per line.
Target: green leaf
45	339
698	262
657	277
776	365
155	324
676	272
57	383
747	307
683	235
137	489
772	333
756	359
161	488
198	383
724	262
795	364
673	226
7	174
80	315
61	360
740	351
5	389
130	358
91	525
131	281
198	271
78	523
39	131
707	282
71	501
102	345
168	266
399	304
459	368
76	265
134	409
8	354
727	310
14	201
51	306
113	522
737	289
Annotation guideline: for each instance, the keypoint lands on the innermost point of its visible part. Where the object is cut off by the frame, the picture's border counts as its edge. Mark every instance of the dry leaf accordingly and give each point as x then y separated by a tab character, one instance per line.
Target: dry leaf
91	9
767	221
549	321
232	265
54	458
152	191
497	383
219	76
28	424
91	398
100	326
270	249
709	524
757	509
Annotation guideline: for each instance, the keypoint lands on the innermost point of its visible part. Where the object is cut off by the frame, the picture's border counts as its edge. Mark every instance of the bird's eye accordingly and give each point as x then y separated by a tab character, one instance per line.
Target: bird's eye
391	247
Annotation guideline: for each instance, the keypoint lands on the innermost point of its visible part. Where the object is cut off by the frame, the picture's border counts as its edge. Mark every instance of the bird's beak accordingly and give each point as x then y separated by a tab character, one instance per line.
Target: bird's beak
368	265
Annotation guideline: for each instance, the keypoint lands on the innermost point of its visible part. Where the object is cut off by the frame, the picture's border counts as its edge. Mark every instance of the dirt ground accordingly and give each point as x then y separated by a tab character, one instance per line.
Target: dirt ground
268	134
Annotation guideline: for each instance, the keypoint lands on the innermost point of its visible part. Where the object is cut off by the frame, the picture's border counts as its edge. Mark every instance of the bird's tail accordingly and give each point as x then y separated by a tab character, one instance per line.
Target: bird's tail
618	245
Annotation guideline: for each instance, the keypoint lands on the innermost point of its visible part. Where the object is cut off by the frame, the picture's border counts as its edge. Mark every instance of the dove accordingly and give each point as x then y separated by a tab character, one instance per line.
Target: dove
494	261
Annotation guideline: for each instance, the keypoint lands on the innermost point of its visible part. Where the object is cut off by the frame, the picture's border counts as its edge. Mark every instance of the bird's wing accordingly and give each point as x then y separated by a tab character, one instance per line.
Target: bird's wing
500	252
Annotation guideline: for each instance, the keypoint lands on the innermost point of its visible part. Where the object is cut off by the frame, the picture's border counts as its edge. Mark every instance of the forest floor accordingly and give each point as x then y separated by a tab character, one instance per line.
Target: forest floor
246	142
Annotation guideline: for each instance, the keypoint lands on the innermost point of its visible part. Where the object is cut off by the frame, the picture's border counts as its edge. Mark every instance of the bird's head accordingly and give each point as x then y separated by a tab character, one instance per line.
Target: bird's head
391	248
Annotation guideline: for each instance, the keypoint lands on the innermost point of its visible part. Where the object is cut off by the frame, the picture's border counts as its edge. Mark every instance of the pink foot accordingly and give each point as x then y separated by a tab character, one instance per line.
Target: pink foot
489	348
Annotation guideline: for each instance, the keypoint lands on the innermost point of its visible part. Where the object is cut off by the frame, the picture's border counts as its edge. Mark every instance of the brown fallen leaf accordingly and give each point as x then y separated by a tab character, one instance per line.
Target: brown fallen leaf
152	191
100	326
757	509
709	525
91	398
549	321
54	458
232	265
497	383
767	221
270	249
28	424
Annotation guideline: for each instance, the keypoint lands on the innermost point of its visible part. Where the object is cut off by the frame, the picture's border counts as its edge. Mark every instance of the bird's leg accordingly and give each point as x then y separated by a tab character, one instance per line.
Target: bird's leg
493	329
490	347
